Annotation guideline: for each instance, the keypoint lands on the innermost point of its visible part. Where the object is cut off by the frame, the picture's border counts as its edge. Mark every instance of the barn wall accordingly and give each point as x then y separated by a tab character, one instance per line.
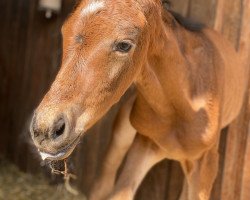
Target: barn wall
29	59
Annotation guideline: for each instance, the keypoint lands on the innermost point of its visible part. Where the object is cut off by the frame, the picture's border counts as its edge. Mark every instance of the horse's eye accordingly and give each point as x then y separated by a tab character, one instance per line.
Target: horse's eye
123	47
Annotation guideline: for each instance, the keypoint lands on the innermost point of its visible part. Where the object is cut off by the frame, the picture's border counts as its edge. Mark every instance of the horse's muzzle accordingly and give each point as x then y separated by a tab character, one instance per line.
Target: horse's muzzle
51	137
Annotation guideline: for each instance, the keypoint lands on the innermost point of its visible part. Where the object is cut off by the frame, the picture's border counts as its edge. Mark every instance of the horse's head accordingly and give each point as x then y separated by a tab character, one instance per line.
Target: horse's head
104	45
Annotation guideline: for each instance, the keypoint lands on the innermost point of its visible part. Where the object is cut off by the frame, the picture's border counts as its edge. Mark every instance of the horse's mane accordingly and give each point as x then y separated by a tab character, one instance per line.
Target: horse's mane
183	21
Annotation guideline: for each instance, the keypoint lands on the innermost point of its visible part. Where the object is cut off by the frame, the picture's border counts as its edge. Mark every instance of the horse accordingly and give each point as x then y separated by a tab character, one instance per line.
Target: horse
189	84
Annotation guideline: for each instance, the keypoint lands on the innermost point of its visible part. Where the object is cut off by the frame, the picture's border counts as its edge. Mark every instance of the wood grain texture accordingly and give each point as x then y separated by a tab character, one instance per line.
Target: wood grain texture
232	18
245	180
244	48
181	6
236	28
218	22
202	11
30	57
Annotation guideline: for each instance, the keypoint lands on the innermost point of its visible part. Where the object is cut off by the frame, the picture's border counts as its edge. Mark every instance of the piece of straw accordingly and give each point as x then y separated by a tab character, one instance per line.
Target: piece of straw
67	177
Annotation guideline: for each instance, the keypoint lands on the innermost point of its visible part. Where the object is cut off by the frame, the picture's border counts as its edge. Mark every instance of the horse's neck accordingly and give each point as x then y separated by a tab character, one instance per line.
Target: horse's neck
162	79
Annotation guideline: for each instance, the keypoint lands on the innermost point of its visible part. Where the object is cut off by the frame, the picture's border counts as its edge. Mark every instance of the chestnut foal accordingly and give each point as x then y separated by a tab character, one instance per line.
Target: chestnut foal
189	85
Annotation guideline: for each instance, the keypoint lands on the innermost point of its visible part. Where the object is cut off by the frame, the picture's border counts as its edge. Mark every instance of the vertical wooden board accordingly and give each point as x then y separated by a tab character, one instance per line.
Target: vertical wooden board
232	20
180	6
216	191
245	190
22	156
29	59
202	11
219	15
244	49
37	74
234	158
39	68
238	31
4	76
175	181
245	185
154	184
244	36
13	56
86	159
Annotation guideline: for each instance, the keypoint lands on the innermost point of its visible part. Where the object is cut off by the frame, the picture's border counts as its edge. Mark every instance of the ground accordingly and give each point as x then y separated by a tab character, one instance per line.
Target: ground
16	185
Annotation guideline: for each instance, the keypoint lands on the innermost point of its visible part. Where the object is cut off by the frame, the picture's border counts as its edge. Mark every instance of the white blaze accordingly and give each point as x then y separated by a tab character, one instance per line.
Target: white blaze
92	7
199	103
114	72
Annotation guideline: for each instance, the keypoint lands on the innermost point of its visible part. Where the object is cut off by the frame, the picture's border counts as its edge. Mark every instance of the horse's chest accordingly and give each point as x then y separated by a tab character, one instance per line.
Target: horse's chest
179	139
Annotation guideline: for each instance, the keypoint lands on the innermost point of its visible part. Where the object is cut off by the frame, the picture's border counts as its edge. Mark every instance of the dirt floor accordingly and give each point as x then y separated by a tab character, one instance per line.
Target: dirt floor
16	185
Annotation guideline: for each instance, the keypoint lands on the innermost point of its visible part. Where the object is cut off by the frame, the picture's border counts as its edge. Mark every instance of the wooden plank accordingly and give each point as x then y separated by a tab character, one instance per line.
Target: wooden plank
232	20
238	131
181	6
202	11
39	68
244	39
154	184
244	49
27	72
4	76
13	56
175	182
219	16
216	192
245	184
234	158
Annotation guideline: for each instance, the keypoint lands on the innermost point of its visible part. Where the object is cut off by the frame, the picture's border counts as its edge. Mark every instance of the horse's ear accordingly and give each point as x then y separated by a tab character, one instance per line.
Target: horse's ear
167	4
77	3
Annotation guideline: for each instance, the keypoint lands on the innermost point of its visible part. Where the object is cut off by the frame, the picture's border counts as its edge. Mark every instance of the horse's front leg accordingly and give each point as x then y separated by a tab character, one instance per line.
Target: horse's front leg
200	175
142	155
122	137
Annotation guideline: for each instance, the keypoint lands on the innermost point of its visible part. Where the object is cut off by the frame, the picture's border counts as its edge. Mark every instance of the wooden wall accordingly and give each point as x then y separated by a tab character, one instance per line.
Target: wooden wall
30	54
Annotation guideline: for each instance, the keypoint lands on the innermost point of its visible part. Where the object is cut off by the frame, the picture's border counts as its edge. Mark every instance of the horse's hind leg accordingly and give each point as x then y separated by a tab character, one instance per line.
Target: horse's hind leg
200	175
122	138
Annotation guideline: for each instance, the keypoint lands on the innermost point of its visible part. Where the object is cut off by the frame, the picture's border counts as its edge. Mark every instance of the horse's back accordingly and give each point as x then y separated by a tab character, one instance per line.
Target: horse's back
234	77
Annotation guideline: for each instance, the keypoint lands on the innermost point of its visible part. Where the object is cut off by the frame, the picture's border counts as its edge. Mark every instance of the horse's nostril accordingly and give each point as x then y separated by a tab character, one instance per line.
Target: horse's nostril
59	130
